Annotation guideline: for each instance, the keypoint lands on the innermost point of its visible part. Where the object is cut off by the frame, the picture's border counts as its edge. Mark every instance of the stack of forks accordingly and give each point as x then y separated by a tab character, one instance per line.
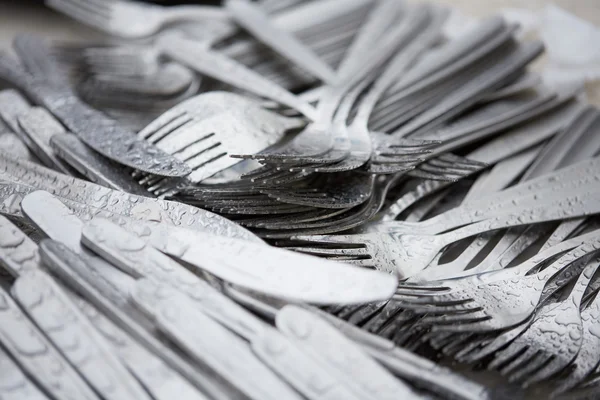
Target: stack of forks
294	199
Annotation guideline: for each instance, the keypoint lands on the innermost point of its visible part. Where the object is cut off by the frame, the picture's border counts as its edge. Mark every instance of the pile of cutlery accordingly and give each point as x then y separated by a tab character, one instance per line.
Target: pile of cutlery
290	199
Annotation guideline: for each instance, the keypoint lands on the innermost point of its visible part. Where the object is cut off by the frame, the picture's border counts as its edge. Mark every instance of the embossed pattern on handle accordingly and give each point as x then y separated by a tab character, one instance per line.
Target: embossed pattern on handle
61	261
18	253
117	202
14	385
76	338
34	354
206	341
314	380
158	378
129	252
334	349
93	166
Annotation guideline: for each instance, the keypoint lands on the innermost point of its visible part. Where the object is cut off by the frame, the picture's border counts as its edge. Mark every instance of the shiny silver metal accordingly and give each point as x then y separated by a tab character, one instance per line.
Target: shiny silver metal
132	20
45	84
55	314
30	349
206	130
120	203
39	126
253	19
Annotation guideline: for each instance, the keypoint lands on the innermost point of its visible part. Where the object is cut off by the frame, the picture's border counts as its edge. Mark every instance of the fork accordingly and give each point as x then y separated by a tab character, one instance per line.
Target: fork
133	20
327	18
204	130
168	85
512	243
545	352
488	204
48	86
409	254
316	143
541	128
200	57
586	360
451	56
380	248
471	306
260	25
415	20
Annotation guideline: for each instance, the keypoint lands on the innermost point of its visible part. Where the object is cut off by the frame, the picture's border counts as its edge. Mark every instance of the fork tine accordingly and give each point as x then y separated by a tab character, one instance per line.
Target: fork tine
389	310
507	354
188	148
176	126
493	345
450	298
539	360
409	294
415	143
442	176
437	340
397	159
443	170
454	159
439	322
258	172
421	290
519	363
358	252
389	151
208	156
466	305
192	150
366	312
164	120
332	239
459	165
456	344
462	355
548	368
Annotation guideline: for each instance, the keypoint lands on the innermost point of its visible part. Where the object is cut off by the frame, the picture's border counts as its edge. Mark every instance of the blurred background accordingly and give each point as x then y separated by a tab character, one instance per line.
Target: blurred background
31	16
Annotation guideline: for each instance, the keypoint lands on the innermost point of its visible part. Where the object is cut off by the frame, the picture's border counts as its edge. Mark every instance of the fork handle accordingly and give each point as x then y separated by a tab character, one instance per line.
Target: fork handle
562	181
577	205
378	20
224	69
262	27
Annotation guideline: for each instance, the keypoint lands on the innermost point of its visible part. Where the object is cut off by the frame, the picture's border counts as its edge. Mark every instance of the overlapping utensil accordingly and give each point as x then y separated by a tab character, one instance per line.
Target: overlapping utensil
179	201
